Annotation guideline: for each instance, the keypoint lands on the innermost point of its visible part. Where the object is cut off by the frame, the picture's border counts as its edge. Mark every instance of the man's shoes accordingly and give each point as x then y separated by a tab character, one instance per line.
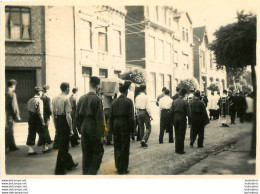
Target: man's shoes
61	173
50	142
14	149
143	144
171	141
46	151
32	153
75	165
75	144
160	142
226	125
123	172
191	145
200	146
181	152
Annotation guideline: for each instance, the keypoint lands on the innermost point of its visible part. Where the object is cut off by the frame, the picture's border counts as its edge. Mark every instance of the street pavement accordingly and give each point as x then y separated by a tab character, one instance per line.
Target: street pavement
157	159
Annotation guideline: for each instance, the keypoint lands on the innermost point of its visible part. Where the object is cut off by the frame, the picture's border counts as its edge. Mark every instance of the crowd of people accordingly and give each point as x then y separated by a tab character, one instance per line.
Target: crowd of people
115	119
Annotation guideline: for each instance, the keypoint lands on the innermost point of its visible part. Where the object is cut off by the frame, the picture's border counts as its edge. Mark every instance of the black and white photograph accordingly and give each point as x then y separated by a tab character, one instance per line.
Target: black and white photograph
129	90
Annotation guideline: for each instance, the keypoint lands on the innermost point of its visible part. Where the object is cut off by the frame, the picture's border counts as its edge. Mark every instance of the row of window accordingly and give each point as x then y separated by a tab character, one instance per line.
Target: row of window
159	50
103	73
18	27
160	14
162	83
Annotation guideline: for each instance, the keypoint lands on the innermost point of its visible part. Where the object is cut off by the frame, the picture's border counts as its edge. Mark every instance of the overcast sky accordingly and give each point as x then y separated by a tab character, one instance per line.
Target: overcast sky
214	13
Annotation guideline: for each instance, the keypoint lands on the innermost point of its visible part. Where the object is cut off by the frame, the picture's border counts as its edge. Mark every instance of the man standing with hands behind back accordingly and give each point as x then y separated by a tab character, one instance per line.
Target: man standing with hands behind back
90	119
62	114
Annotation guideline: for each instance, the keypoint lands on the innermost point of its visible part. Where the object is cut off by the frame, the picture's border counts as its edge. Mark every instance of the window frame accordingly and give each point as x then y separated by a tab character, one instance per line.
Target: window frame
8	9
106	40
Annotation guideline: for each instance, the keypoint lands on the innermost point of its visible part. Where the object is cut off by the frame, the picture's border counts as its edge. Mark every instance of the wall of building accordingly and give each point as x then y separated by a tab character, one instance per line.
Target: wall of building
183	56
29	54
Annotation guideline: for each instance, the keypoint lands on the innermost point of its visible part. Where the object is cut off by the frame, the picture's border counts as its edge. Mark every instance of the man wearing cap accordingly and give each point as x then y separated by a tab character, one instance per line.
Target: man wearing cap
62	118
11	113
165	104
122	125
180	110
143	115
199	119
73	103
46	114
90	120
223	104
36	122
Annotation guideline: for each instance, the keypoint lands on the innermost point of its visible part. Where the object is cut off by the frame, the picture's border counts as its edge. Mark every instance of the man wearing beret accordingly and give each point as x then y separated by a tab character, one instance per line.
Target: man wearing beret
12	113
46	114
180	110
36	122
90	120
122	125
63	123
199	118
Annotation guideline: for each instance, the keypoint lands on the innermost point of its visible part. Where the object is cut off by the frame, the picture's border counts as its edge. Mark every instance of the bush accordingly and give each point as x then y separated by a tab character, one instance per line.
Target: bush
189	84
136	76
213	87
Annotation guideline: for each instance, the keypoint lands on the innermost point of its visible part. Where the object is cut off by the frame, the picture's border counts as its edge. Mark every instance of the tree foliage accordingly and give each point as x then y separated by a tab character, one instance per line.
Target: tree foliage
235	44
136	76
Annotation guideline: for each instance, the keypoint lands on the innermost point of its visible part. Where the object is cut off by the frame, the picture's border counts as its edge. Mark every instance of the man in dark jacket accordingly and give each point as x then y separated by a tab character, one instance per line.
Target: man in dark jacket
90	119
122	125
199	119
232	107
46	114
12	113
241	107
180	110
176	96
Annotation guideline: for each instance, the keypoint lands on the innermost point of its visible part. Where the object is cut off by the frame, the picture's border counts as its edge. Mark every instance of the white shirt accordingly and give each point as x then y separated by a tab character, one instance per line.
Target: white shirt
141	102
250	105
165	102
213	102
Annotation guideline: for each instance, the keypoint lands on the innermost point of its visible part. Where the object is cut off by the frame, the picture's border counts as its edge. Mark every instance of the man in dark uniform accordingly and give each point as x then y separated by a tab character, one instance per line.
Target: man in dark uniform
180	110
12	113
199	119
36	122
46	114
176	96
232	107
63	122
90	119
241	107
73	103
165	104
122	125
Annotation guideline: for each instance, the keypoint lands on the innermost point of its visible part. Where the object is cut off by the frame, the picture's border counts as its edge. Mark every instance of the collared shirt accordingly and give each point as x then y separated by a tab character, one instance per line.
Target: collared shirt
165	102
35	105
61	105
141	102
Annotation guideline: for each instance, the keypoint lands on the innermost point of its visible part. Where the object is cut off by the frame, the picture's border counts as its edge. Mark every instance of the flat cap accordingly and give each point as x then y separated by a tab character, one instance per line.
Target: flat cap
45	87
167	91
11	82
38	89
94	80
